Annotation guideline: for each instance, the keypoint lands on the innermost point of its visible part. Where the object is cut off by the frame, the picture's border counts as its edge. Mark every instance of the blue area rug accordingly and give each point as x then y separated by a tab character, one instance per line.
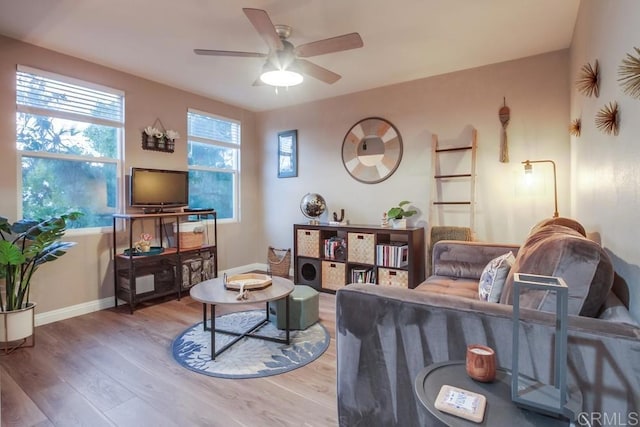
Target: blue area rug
249	357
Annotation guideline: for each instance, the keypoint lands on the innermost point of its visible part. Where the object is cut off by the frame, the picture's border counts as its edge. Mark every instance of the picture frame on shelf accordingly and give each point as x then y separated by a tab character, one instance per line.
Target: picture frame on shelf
288	154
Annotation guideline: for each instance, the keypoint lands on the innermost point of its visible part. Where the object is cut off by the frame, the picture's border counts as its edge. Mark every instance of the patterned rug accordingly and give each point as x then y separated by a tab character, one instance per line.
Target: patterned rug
249	357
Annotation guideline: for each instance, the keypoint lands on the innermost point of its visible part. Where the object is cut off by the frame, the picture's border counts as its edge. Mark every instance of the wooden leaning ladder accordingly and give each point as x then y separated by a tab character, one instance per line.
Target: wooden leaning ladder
438	198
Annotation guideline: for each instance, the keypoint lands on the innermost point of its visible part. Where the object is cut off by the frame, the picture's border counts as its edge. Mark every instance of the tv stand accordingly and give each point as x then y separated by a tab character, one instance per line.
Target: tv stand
167	266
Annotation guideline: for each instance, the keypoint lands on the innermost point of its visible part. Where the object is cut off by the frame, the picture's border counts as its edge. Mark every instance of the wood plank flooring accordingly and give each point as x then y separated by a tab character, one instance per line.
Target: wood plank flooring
111	368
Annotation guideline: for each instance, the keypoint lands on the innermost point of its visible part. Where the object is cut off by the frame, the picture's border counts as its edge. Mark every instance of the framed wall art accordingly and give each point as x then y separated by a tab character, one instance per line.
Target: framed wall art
288	154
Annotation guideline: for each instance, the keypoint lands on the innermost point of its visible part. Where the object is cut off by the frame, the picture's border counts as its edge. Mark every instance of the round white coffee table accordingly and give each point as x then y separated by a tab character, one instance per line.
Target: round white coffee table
212	292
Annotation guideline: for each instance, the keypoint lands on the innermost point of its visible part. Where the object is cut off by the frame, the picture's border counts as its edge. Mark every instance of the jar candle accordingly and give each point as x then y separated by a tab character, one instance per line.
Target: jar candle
481	363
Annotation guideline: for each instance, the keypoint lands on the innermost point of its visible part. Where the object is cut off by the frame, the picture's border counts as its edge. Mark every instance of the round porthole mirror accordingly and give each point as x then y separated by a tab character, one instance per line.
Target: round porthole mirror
372	150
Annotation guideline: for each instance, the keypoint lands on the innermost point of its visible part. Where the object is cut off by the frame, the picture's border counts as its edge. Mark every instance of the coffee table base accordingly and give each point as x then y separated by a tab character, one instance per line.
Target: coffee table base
239	335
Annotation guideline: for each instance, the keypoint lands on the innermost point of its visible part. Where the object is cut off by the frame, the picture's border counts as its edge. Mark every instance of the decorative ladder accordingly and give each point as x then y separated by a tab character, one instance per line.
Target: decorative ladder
440	181
441	178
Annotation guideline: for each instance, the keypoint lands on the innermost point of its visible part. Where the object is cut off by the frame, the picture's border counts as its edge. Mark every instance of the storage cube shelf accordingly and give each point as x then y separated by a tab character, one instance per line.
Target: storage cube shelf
369	254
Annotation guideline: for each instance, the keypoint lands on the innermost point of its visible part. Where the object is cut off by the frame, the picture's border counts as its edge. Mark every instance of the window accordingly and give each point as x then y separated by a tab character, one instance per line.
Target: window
69	136
214	151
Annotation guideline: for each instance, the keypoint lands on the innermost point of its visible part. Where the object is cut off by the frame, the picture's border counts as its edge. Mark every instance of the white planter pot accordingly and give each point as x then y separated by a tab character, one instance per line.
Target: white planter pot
18	324
399	223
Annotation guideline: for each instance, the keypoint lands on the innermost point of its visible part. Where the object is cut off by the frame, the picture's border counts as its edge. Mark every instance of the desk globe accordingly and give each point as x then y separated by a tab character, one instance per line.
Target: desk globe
312	206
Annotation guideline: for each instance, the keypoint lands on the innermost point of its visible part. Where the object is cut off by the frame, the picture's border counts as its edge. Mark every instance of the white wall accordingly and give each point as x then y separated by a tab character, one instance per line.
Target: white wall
536	90
606	177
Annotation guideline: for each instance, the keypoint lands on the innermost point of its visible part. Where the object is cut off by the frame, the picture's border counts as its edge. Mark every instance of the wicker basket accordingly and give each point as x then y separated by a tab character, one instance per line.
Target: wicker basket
361	248
308	243
392	277
333	275
279	261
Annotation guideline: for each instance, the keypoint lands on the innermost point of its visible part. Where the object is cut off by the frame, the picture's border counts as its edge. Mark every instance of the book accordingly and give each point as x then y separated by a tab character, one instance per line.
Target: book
461	403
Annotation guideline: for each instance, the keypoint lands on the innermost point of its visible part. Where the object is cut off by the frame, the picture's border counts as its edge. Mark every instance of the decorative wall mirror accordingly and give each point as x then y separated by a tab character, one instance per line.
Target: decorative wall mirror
372	150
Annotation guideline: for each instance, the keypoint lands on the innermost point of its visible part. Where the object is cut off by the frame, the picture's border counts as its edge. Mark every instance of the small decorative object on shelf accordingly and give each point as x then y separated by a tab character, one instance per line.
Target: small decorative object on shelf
607	119
629	74
385	220
575	128
158	139
481	363
144	244
312	206
588	82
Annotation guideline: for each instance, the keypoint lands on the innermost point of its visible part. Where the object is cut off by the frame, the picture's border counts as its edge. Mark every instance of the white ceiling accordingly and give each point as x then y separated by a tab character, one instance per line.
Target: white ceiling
403	39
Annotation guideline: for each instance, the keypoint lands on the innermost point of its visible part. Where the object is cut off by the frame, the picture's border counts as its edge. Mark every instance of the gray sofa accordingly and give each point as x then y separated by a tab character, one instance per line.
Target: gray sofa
386	335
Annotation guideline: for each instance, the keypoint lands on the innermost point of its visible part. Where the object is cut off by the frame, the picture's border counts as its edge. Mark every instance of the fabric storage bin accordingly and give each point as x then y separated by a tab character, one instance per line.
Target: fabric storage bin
191	272
308	243
392	277
191	234
361	248
333	275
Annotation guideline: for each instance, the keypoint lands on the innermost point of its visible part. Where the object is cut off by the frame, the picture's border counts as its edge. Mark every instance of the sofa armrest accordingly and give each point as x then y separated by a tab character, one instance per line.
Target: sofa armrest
386	335
454	258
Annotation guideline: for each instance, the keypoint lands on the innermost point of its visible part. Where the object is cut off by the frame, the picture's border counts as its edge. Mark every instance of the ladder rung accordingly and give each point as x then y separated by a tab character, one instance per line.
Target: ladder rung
451	203
461	175
441	150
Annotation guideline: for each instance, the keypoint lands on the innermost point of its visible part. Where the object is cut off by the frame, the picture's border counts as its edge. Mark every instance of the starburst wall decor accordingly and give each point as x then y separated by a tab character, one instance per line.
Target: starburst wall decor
575	127
607	118
629	74
588	82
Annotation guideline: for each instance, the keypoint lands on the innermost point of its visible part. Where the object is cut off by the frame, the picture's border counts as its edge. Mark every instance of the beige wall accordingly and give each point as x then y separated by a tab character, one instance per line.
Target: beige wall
536	90
84	274
606	178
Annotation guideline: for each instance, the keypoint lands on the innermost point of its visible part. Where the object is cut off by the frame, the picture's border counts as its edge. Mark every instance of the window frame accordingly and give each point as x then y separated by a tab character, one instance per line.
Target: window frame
66	115
235	172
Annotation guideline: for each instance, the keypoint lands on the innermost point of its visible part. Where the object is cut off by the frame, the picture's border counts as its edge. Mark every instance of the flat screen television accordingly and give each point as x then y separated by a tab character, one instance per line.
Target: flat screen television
156	189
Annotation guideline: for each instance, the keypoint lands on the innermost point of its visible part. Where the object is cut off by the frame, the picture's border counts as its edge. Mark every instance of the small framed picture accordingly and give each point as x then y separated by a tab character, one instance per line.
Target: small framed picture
288	154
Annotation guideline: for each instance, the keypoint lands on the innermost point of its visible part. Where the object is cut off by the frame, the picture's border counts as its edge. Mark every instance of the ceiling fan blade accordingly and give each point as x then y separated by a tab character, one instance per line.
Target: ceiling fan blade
212	52
317	71
333	44
262	23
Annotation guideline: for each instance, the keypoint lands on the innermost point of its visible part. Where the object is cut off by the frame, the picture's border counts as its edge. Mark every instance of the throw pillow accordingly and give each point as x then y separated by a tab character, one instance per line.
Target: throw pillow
493	277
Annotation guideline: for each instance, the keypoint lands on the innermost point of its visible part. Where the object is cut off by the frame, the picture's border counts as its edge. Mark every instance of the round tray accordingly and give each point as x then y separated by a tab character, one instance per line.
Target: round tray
251	281
153	250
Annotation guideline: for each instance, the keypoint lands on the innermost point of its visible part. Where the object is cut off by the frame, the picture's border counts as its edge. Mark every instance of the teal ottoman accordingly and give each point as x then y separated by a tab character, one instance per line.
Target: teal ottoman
303	309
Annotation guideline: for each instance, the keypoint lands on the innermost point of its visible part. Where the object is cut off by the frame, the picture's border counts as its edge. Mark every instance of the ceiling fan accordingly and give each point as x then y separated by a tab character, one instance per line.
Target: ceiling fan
284	64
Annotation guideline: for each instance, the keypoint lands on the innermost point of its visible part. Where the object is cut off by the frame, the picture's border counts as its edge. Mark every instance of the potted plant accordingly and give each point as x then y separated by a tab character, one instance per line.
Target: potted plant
24	246
398	215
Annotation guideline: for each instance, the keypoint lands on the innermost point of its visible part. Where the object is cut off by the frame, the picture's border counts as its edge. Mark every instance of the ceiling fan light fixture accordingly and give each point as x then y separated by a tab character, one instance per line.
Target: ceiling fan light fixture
281	78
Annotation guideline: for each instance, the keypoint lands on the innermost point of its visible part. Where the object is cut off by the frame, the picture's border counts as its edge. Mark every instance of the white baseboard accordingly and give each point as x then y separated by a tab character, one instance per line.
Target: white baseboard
104	303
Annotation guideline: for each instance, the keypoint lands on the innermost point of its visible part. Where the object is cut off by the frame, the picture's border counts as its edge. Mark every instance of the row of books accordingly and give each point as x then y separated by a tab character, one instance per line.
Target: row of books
363	275
393	254
335	248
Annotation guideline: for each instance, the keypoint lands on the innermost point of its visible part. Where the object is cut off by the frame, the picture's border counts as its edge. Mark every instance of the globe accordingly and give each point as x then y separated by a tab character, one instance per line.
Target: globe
312	206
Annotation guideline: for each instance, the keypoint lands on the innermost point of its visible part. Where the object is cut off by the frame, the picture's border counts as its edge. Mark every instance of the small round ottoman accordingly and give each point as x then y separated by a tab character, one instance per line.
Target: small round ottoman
303	309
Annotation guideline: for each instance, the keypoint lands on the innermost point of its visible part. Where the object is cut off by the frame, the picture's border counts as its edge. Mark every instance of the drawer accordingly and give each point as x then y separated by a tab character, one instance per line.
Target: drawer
393	277
333	275
308	243
361	248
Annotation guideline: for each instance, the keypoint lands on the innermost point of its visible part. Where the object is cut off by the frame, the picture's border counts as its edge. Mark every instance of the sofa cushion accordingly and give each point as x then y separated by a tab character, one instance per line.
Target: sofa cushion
560	251
567	222
445	285
493	277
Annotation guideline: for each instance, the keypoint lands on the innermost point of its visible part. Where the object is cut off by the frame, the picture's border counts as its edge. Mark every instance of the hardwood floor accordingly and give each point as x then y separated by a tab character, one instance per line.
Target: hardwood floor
112	368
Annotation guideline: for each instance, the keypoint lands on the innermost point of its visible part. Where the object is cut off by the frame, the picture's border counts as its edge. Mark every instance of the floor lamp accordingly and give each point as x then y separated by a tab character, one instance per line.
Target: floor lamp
528	169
